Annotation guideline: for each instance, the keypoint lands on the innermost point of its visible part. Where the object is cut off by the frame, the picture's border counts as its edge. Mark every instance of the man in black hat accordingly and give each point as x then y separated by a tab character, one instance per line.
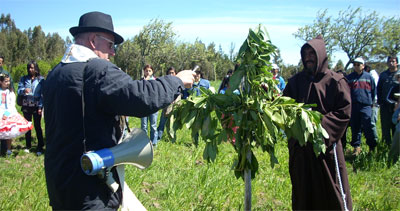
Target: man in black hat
76	124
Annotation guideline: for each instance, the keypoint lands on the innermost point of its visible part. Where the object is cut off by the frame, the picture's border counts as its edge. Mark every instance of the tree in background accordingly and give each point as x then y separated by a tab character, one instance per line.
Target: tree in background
55	46
156	44
20	47
357	34
14	43
339	66
155	41
390	42
127	58
322	25
37	41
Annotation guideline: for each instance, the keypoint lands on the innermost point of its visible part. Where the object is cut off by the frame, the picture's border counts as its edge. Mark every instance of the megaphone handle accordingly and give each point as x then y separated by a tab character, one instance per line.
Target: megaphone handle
107	176
110	181
127	124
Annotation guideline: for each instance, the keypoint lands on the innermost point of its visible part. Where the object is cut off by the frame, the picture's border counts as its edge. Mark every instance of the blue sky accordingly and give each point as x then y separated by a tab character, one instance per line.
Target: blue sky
222	22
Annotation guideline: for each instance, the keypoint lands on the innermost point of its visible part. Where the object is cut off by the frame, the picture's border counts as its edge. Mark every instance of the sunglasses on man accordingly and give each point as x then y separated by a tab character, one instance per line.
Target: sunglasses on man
111	44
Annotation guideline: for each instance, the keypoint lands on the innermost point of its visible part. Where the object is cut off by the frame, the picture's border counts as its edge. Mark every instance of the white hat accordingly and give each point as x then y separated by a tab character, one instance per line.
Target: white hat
275	67
359	60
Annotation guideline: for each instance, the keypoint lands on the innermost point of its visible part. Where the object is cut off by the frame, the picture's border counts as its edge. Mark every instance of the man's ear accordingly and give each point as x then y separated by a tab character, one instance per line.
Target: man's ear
92	40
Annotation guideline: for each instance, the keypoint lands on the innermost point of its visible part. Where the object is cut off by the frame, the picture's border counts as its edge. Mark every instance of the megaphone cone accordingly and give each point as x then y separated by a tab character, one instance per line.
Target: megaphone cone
136	149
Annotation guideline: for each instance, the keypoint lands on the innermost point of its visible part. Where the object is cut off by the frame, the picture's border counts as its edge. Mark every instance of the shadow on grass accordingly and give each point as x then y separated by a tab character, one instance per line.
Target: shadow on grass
368	160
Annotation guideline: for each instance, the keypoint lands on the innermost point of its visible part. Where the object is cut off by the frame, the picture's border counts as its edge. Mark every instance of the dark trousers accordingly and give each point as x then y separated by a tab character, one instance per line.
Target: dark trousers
361	120
28	114
387	125
3	146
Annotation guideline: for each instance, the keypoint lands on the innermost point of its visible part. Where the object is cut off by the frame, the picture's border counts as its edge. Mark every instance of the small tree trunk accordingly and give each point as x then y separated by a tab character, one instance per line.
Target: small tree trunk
247	180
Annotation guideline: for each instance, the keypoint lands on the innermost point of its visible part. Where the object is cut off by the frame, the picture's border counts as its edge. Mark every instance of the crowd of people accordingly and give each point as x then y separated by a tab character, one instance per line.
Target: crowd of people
81	114
30	100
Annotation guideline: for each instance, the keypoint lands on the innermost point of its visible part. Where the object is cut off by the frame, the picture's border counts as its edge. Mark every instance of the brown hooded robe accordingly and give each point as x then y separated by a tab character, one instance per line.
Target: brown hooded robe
315	182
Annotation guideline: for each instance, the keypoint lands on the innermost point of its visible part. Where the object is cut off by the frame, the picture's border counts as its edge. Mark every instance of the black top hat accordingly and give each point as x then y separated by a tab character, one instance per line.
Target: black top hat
96	22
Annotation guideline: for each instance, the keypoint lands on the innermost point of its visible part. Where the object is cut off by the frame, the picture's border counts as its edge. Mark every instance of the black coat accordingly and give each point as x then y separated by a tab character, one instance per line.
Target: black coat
108	92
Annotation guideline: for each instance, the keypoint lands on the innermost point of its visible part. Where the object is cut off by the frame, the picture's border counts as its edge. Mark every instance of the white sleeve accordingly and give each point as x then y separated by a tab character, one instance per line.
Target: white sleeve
11	102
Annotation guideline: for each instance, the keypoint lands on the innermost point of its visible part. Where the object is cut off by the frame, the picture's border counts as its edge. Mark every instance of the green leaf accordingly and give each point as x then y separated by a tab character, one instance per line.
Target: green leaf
212	151
238	118
273	160
254	116
171	126
205	129
297	132
308	125
196	126
222	136
324	133
254	36
190	118
243	48
235	80
254	165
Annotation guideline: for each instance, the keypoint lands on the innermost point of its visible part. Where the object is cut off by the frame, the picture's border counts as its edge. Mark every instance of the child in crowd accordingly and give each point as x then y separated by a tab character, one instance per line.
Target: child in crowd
148	75
12	124
165	112
225	82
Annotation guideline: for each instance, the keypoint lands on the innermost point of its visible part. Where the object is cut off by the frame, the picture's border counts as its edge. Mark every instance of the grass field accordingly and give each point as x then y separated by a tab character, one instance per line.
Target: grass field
179	179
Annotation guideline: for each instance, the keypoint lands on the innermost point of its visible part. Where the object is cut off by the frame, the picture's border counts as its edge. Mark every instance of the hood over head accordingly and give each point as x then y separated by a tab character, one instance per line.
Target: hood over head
318	44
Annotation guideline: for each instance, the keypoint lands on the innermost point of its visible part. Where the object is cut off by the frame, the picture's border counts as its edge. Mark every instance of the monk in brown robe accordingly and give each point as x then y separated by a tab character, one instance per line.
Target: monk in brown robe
320	183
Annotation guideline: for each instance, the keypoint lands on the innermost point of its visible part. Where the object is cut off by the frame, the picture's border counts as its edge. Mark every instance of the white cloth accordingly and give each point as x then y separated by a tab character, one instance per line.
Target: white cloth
77	53
15	124
129	200
9	104
375	76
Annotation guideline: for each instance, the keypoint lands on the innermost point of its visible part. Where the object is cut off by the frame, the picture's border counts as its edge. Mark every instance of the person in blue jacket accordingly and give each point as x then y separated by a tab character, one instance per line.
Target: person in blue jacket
363	93
281	82
199	81
165	111
30	87
152	118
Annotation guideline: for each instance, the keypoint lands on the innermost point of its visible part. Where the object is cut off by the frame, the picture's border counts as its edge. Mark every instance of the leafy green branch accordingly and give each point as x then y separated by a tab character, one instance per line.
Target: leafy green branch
253	105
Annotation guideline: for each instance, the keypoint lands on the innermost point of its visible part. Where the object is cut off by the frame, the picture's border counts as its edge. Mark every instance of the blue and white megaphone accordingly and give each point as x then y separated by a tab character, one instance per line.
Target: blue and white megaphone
135	149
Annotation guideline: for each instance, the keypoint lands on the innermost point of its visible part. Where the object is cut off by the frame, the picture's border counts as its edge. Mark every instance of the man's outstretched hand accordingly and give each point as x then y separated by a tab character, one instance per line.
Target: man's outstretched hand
187	77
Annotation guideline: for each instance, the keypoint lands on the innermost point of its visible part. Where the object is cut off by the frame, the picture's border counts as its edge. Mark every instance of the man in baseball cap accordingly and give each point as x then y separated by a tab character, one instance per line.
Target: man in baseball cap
276	76
363	93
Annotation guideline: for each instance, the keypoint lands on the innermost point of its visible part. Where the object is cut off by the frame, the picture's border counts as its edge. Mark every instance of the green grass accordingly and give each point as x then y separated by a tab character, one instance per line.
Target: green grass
179	179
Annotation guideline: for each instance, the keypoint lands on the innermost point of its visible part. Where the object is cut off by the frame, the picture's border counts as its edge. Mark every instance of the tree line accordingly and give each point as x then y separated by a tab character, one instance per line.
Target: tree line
357	34
353	31
156	44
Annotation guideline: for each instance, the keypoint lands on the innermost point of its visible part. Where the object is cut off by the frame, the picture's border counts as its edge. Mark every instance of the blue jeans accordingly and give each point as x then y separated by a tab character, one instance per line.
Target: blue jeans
361	120
374	118
153	126
161	125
